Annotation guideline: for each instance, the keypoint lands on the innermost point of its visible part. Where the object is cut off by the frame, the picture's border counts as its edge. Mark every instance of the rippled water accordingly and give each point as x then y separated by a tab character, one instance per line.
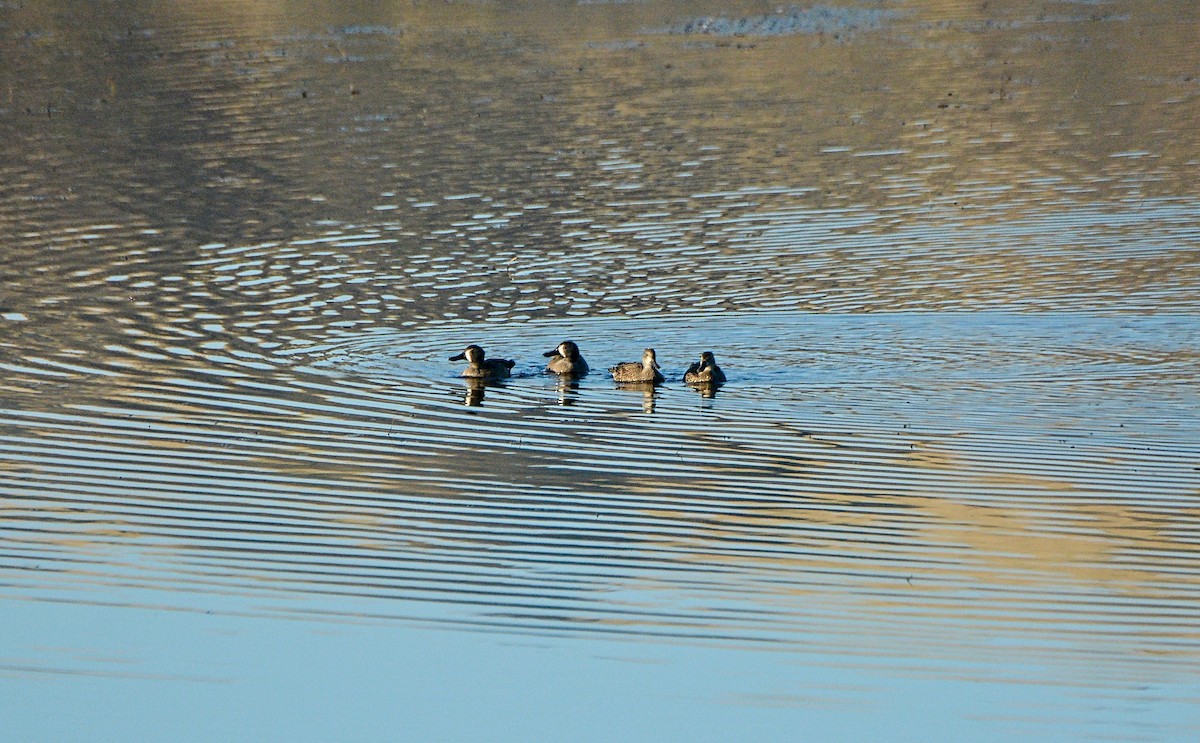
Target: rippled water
948	256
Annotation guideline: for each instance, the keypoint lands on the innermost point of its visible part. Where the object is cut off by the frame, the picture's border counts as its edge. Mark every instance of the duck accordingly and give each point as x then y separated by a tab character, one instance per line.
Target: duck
479	367
704	371
644	371
566	360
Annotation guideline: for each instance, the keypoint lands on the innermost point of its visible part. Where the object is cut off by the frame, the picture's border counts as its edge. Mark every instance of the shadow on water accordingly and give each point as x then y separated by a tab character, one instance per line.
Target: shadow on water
946	256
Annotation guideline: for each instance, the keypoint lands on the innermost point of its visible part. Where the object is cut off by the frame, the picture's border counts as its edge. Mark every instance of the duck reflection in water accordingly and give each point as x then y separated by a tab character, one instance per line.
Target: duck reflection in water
649	392
568	390
476	388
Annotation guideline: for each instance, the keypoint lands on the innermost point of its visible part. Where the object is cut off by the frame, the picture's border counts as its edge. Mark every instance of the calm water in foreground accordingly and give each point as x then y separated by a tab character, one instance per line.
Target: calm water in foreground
948	254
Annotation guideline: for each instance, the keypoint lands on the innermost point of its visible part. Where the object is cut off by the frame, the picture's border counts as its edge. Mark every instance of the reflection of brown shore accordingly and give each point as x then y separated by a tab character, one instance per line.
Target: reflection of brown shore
205	145
928	518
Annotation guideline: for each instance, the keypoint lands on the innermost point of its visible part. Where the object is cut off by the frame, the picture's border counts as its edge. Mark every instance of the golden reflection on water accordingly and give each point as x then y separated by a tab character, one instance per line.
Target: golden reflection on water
966	138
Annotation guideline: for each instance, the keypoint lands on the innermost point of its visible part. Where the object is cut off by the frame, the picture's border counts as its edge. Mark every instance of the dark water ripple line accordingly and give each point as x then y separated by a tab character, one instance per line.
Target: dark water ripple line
573	565
523	545
327	574
1056	603
151	430
336	577
1029	456
146	504
472	520
1162	616
1020	458
624	521
151	501
559	618
738	624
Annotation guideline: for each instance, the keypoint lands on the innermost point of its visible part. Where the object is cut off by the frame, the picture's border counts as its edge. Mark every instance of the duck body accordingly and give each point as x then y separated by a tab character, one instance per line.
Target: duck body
644	371
566	361
479	367
704	371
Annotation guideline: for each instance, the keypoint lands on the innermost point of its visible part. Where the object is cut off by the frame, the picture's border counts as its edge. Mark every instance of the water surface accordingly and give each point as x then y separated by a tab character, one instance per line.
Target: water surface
948	257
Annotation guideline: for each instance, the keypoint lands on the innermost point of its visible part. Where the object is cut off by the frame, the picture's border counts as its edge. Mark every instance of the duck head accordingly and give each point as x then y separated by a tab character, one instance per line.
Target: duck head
472	353
566	349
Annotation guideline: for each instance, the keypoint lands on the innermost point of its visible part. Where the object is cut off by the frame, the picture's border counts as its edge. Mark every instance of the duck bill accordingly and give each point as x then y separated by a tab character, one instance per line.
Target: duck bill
551	353
459	357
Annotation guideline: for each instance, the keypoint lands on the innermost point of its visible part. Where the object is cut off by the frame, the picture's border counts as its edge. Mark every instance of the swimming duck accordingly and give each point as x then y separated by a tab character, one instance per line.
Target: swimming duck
480	368
632	371
704	371
566	360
